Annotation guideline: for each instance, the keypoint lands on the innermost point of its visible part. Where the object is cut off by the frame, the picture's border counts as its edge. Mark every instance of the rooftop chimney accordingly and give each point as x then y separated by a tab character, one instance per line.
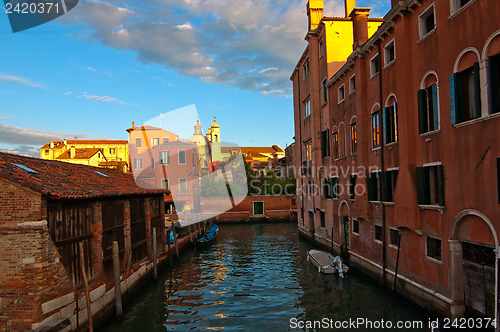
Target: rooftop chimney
349	6
133	125
315	13
359	18
72	152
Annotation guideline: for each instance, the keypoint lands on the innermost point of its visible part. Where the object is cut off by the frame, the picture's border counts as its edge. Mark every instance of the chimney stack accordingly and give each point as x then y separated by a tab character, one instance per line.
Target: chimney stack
133	125
359	17
315	13
349	6
73	152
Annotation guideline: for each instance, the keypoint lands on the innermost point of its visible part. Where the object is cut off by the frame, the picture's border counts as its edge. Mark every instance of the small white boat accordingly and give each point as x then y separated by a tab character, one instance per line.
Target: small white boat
326	263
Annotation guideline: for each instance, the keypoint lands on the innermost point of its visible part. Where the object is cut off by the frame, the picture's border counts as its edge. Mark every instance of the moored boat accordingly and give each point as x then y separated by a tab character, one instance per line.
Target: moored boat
209	237
326	262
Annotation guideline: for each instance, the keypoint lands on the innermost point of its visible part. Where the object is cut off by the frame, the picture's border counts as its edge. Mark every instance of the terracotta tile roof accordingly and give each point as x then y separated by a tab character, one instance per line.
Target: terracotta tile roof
60	144
79	153
267	150
98	141
60	180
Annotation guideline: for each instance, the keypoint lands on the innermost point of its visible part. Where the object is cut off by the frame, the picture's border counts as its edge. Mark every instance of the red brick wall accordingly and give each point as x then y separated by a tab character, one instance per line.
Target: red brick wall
18	204
30	276
274	207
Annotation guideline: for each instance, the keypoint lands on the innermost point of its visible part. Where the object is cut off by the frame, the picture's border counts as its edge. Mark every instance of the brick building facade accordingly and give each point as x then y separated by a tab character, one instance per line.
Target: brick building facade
398	149
47	209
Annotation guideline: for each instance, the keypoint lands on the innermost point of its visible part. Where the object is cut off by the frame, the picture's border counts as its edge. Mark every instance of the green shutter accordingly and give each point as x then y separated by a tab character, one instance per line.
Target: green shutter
327	142
453	109
395	110
435	106
422	186
385	121
494	83
327	188
477	83
440	184
422	111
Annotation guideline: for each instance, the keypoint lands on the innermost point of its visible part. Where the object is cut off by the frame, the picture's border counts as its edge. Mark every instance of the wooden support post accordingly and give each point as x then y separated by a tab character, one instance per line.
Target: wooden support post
87	296
175	241
116	274
168	245
155	263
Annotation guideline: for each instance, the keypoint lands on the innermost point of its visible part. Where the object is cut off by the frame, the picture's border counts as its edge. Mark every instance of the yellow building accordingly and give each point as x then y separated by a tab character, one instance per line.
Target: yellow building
99	153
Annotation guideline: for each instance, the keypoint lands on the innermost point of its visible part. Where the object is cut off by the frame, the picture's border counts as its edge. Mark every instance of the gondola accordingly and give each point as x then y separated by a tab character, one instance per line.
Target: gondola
209	237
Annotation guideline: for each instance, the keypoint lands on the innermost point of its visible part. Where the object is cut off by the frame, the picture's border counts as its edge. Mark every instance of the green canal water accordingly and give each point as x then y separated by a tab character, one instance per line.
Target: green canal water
256	278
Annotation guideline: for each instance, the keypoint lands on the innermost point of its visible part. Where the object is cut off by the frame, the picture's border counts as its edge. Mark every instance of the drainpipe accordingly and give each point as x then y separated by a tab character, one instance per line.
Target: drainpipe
496	287
382	166
300	149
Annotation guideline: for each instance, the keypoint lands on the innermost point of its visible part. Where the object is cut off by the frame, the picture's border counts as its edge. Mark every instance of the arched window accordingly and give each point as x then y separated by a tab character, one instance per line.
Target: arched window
428	104
335	141
390	119
491	51
375	115
465	88
354	135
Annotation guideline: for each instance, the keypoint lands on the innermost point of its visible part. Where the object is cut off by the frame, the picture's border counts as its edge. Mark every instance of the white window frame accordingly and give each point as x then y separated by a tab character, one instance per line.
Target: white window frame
374	233
179	157
253	207
321	46
324	91
388	62
352	87
168	158
421	22
341	93
137	163
306	68
155	141
163	182
138	140
427	254
455	8
307	107
165	140
372	66
352	231
180	187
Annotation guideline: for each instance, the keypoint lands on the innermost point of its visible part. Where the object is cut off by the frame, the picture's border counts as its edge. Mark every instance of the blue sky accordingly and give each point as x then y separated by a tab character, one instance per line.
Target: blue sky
91	72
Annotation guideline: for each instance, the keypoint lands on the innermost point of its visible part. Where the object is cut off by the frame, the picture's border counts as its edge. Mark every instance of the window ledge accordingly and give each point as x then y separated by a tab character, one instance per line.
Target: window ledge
424	37
389	203
393	246
468	122
376	148
389	145
377	241
390	64
492	116
435	260
374	75
432	207
351	92
458	11
437	131
341	101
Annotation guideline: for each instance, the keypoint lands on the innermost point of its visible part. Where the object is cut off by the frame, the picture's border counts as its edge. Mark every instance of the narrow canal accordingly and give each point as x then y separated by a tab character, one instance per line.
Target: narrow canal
256	278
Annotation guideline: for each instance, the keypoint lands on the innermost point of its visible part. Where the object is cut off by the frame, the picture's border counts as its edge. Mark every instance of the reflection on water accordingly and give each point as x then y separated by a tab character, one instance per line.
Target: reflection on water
254	278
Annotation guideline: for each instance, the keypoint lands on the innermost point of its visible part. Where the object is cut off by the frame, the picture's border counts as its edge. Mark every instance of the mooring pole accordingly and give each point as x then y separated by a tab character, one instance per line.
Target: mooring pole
175	241
168	245
397	263
155	263
87	296
116	275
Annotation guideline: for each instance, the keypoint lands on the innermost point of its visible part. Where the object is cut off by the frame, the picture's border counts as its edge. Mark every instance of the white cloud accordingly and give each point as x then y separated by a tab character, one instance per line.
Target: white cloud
102	99
17	136
19	80
242	43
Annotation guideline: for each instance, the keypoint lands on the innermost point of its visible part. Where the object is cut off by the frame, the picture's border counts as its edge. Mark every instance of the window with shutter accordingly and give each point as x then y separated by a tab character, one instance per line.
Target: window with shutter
428	116
374	186
430	185
376	129
390	178
352	186
465	95
494	83
498	178
334	187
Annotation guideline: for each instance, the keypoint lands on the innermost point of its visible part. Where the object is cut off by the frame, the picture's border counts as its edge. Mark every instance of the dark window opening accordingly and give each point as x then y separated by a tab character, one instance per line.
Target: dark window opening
433	248
430	185
378	232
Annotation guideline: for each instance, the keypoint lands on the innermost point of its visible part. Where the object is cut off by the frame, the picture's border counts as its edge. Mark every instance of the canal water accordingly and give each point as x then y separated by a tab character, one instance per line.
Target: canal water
256	278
